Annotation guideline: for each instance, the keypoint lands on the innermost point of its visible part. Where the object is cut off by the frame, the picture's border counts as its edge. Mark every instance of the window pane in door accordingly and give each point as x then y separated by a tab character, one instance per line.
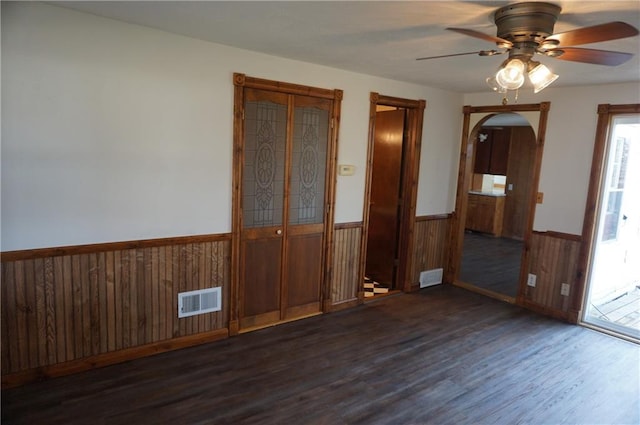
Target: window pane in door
308	163
263	172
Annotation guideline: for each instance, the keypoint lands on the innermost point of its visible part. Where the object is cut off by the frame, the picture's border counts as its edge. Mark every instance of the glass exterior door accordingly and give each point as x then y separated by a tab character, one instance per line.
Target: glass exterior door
613	291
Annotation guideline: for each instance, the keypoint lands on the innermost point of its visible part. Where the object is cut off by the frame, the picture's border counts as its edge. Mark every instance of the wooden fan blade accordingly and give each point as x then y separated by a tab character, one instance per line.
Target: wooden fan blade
599	57
482	36
594	34
480	53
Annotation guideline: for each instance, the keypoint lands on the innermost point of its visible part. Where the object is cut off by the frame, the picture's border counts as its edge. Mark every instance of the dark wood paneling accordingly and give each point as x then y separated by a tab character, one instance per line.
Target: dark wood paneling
62	309
482	155
430	246
345	279
553	258
492	154
439	356
30	254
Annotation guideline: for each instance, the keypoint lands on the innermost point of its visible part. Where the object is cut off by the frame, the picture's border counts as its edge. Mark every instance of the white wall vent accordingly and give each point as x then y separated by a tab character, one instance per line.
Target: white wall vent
430	278
199	302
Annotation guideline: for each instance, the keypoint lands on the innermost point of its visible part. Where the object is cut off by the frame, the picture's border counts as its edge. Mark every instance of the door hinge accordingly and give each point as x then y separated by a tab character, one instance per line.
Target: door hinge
333	120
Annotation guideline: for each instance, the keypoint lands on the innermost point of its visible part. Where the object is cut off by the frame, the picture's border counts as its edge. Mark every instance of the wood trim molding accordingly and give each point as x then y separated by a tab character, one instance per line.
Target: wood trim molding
332	180
465	171
352	225
546	311
106	359
433	217
535	180
559	235
30	254
343	305
542	106
415	117
241	80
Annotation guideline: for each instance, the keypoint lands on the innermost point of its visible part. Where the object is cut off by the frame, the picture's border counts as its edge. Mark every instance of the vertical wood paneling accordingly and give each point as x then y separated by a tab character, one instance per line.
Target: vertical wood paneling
22	337
9	318
84	286
102	301
94	304
5	362
554	261
345	281
135	281
61	308
67	307
154	288
50	311
40	312
430	245
30	304
110	295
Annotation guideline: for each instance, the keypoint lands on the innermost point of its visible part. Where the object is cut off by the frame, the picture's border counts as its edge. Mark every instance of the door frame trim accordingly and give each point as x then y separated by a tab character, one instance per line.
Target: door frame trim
596	178
465	172
413	129
240	82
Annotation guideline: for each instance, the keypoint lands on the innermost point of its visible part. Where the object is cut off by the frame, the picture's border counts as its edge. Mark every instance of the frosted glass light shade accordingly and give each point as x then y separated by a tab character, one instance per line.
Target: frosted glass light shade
541	77
511	76
493	84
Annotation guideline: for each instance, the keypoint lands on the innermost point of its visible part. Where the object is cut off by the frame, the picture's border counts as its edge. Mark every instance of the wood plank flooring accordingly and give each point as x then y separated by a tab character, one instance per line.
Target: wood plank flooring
491	263
442	355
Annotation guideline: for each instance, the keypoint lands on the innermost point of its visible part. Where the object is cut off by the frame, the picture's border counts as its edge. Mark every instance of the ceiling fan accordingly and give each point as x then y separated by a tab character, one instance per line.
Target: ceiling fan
525	29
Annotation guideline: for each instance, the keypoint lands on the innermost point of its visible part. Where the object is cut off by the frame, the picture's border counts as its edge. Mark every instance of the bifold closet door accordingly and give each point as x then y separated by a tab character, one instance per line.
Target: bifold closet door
283	205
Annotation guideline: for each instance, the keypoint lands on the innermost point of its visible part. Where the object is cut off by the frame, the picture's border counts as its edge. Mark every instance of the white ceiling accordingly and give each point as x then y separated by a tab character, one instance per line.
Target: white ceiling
380	38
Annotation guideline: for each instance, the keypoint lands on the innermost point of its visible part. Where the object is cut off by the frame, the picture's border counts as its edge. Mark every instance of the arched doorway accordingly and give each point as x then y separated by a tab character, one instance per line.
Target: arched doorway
474	117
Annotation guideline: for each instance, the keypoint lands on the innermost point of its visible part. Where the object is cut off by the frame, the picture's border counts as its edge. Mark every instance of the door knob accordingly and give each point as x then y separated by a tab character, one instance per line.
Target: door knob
279	232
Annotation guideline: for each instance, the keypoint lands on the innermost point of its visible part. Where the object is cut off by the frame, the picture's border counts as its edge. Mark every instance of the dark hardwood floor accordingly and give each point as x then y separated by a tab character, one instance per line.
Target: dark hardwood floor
491	263
442	355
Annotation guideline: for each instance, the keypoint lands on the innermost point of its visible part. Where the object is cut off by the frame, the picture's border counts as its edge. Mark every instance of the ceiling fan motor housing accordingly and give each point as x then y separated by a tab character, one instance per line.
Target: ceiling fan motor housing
526	22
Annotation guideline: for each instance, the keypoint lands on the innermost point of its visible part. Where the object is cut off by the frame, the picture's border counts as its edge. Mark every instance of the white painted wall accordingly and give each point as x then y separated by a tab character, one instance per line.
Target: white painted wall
566	163
113	132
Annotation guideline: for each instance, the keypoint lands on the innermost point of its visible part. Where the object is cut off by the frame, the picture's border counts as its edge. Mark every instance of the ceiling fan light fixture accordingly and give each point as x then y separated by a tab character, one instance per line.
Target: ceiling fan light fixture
540	76
511	75
493	84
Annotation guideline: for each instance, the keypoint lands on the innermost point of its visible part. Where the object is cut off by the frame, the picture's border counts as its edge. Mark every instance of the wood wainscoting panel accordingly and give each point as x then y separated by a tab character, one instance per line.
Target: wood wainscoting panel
346	275
430	244
553	258
66	308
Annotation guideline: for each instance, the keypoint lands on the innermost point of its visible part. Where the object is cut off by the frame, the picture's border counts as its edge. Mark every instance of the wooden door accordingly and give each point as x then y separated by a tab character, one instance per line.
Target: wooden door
519	179
282	197
386	180
306	207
